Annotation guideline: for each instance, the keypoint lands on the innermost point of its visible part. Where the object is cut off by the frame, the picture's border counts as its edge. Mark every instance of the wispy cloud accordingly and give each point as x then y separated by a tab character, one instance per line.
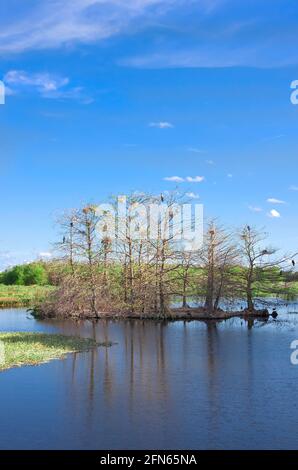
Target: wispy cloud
216	43
45	84
194	179
55	23
273	200
293	188
195	150
161	125
192	195
174	179
45	254
187	179
255	209
12	258
214	56
229	43
274	214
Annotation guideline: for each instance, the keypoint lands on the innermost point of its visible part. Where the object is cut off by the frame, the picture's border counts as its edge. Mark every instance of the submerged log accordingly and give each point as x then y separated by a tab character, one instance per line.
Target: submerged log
262	313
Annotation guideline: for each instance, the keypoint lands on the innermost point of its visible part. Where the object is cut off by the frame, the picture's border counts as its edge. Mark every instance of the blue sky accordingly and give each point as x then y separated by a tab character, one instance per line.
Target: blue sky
109	97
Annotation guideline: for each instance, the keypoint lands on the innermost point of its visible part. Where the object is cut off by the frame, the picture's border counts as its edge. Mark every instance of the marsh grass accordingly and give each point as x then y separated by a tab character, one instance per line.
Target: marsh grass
19	349
22	296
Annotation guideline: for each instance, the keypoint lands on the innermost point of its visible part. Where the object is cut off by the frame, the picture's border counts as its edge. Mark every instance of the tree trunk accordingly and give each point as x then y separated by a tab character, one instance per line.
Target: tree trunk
210	281
249	294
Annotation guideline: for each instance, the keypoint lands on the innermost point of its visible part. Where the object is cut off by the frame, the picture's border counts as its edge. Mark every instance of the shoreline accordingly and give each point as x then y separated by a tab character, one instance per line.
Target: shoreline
177	314
35	348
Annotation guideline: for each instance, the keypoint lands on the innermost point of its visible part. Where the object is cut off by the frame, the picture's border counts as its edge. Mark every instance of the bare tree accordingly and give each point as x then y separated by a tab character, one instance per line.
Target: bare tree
260	265
146	265
219	257
66	244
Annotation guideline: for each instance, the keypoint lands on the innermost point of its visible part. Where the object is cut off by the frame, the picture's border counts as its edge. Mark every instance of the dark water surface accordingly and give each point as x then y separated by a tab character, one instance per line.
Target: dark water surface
163	386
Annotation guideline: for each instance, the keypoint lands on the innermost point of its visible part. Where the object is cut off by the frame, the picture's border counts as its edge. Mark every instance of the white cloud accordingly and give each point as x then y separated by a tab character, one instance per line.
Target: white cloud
188	58
188	179
293	188
45	84
255	208
192	195
174	179
196	150
56	23
229	175
161	124
60	23
230	43
9	259
274	213
45	254
194	179
273	200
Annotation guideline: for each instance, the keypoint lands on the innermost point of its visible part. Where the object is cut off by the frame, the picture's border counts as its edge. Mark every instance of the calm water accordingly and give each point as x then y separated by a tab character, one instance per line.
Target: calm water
175	385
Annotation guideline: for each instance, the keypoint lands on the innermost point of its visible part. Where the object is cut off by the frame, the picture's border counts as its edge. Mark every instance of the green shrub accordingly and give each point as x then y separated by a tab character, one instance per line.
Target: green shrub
25	275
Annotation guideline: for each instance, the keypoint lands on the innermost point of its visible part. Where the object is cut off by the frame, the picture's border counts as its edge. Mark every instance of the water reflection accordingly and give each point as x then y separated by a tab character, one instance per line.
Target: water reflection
163	385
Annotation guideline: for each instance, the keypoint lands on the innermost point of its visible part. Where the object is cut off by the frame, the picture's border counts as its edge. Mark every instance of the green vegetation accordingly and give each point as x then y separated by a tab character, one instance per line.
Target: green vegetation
97	275
23	296
35	348
25	275
269	284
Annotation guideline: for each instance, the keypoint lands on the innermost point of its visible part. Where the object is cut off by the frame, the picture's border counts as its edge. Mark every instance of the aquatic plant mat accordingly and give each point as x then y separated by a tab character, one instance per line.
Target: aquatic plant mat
20	349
